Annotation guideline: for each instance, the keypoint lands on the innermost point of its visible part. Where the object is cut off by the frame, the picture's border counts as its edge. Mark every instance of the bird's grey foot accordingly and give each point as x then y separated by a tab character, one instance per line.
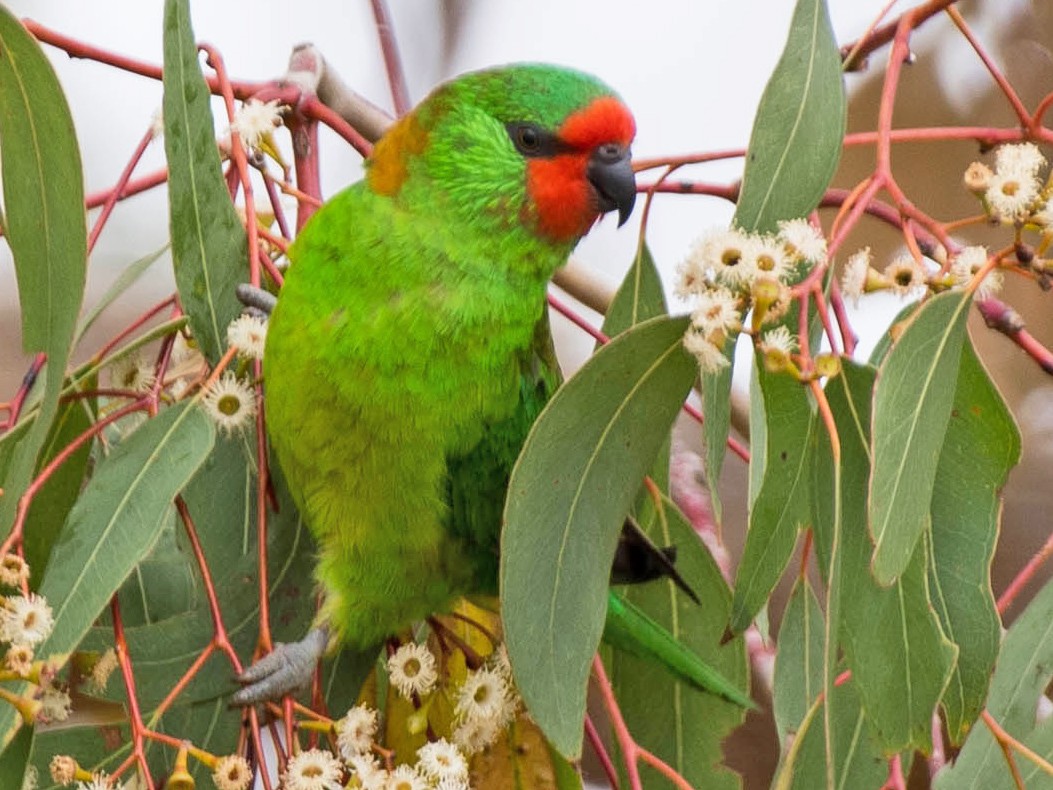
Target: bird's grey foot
287	668
257	300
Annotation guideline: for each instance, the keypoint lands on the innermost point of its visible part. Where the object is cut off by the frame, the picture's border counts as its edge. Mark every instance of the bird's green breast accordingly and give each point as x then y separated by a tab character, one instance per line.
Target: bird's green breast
398	343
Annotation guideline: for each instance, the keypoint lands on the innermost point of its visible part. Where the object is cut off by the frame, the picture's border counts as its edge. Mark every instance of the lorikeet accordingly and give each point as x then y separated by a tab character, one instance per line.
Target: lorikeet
409	351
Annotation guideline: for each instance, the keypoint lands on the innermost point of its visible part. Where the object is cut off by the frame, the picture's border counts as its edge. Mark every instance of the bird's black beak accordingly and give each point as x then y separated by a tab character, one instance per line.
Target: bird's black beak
610	172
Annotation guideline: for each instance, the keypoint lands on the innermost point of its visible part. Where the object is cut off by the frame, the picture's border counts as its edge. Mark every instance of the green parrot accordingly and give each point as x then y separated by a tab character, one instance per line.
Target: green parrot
409	353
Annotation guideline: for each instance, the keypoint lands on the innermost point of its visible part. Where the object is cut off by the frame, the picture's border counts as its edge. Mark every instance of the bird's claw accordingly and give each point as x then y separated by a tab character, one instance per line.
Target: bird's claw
282	671
257	301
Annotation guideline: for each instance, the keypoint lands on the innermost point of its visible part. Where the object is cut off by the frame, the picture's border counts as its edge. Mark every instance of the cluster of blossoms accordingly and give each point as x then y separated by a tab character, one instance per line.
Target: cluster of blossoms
231	772
440	766
255	122
1013	193
906	277
230	400
729	272
485	703
25	622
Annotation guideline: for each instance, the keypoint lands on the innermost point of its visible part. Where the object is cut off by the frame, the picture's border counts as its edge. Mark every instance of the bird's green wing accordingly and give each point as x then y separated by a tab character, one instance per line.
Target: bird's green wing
478	479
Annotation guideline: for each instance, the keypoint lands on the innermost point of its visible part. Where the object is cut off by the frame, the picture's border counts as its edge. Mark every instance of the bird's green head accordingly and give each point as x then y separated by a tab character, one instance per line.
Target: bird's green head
534	147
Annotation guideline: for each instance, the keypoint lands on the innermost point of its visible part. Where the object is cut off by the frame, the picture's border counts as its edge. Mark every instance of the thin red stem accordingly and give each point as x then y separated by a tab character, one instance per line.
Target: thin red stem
600	750
262	477
996	74
118	188
626	743
135	718
392	60
133	187
241	164
14	537
1027	573
14	406
276	206
133	327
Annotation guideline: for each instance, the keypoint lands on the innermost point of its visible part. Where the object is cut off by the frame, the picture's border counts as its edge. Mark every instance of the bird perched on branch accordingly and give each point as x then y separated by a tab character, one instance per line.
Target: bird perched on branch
409	352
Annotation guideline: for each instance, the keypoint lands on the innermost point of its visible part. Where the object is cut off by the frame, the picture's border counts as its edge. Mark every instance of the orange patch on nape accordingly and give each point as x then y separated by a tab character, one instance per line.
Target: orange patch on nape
562	196
388	165
604	120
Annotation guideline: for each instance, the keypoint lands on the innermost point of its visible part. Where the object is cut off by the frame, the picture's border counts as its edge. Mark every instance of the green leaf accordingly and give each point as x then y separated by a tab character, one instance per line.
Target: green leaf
117	519
209	248
639	297
715	389
857	761
52	505
1039	740
796	141
128	277
44	225
114	524
900	659
221	500
799	662
683	726
912	404
15	757
1023	671
574	482
782	503
981	446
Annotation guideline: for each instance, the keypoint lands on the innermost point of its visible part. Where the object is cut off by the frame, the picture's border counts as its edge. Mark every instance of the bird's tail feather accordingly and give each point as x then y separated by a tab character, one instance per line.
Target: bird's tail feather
628	628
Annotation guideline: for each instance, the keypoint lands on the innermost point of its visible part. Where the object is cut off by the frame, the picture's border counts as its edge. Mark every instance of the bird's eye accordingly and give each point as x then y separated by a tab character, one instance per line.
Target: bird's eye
528	139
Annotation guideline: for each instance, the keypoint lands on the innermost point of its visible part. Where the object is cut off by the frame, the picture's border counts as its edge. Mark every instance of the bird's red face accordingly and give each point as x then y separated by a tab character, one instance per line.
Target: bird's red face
582	171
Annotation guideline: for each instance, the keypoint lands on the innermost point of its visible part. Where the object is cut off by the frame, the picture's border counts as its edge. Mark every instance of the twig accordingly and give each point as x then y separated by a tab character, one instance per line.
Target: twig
1010	744
392	60
1027	573
1005	743
1003	318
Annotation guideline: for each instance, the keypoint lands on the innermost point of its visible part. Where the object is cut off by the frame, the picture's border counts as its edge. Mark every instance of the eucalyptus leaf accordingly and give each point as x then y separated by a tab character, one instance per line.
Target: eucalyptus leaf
799	662
858	762
797	132
44	226
639	297
683	726
782	501
900	658
912	404
117	519
1023	671
601	431
209	248
981	445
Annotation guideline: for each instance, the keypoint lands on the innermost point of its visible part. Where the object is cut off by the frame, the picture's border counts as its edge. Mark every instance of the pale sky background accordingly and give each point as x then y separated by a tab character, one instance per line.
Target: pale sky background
691	70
